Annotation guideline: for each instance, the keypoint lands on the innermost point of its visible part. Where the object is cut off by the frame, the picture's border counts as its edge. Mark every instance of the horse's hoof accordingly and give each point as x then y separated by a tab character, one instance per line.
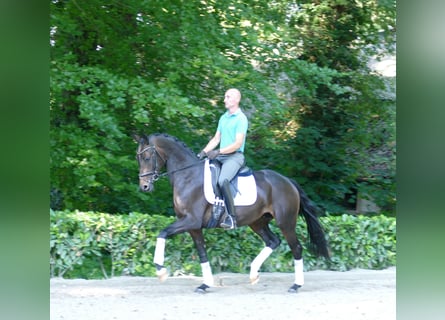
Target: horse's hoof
202	289
254	280
294	288
162	274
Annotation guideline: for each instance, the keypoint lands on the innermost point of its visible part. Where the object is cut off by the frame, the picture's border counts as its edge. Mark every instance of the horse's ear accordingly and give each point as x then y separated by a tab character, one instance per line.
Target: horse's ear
137	137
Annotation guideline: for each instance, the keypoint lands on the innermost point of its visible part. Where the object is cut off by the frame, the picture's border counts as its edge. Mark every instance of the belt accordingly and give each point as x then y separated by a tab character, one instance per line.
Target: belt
231	154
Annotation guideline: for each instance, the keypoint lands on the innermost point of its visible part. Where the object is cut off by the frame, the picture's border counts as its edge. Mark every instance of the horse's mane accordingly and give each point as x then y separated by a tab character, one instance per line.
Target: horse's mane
174	140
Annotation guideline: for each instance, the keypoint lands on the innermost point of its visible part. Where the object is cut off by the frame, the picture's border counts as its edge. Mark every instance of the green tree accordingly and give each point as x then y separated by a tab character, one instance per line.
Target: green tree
340	116
316	113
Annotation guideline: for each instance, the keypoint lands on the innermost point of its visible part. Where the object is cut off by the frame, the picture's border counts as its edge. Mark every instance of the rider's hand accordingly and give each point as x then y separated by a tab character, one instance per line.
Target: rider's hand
213	154
202	154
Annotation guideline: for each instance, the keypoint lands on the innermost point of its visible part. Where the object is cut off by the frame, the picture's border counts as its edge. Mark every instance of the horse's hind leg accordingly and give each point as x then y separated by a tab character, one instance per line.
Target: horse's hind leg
271	240
297	252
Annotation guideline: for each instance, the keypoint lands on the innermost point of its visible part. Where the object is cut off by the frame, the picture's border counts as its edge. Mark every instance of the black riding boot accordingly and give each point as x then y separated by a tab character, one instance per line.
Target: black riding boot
230	221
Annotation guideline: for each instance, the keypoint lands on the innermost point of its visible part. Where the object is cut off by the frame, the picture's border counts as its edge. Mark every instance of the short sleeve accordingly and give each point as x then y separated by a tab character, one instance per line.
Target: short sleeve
219	125
242	125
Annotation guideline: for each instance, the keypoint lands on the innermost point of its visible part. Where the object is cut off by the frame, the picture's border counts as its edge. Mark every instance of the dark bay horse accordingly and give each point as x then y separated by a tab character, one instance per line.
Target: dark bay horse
278	198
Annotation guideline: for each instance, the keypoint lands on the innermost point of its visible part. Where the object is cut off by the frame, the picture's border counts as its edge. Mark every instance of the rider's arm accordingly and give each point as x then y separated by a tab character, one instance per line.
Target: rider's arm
213	143
239	138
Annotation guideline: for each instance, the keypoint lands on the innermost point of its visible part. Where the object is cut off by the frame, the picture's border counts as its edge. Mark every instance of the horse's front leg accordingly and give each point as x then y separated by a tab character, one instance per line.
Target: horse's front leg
179	226
207	275
158	260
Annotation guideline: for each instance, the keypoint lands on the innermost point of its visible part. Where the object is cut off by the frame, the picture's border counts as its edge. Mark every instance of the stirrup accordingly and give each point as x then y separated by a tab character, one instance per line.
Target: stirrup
227	226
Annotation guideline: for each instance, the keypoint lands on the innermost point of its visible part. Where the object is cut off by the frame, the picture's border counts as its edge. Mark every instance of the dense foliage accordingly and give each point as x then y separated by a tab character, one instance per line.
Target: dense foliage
317	113
98	245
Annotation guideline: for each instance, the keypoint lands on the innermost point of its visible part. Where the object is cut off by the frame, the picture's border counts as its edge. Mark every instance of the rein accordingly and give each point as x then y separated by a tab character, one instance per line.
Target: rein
180	169
160	175
155	174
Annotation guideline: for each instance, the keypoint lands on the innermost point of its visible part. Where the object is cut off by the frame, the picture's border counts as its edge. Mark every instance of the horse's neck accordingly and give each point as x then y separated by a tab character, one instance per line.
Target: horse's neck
179	158
178	164
183	172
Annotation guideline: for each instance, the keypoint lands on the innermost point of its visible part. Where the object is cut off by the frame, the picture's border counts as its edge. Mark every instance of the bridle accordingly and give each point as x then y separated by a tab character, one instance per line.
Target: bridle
154	174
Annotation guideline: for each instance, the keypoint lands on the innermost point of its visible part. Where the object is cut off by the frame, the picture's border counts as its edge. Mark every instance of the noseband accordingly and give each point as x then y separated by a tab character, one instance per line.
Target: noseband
154	157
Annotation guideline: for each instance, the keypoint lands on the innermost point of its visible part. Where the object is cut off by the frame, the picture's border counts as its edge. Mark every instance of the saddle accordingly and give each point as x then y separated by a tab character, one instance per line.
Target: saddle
243	186
215	170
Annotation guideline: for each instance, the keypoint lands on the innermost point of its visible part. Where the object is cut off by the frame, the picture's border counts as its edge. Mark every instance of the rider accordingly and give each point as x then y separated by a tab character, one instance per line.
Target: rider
231	137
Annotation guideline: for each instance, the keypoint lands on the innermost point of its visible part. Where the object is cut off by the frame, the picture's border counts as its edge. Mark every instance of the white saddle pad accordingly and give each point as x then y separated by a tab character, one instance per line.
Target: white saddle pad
245	196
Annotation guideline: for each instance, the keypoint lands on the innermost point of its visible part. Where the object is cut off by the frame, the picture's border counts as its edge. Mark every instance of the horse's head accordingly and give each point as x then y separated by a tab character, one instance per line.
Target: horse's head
150	163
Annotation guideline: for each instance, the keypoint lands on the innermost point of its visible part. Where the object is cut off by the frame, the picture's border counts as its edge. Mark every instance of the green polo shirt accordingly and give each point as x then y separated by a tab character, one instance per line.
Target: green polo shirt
231	124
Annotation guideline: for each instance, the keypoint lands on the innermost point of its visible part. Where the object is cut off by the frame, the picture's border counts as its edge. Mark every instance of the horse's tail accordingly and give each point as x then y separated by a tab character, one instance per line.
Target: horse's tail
318	243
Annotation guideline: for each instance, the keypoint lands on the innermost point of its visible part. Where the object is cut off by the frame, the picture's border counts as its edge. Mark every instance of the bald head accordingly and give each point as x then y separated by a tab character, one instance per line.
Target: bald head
232	99
235	93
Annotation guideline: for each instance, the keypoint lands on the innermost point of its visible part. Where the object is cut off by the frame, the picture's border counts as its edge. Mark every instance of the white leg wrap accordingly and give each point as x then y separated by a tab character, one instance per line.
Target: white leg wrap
159	251
258	261
207	274
299	277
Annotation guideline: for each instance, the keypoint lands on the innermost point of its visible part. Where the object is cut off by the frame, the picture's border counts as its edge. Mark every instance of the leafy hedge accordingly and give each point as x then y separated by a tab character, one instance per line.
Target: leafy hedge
99	245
